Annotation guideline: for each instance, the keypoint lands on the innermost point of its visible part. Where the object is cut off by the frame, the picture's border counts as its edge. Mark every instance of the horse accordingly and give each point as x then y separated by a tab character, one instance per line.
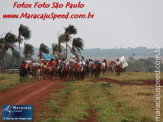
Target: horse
65	72
60	71
51	73
97	70
44	71
34	71
76	73
70	72
39	73
118	69
82	72
103	69
112	66
87	69
23	73
91	69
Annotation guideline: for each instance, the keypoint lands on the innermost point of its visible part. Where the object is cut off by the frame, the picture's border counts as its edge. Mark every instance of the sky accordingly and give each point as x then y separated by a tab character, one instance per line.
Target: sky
116	23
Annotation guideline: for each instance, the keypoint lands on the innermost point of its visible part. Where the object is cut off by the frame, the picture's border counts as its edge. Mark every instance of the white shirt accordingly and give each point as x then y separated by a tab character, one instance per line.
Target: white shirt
103	64
118	62
28	61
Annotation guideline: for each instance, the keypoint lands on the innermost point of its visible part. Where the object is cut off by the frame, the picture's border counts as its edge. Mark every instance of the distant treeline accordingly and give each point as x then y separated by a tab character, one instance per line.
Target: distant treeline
142	65
115	52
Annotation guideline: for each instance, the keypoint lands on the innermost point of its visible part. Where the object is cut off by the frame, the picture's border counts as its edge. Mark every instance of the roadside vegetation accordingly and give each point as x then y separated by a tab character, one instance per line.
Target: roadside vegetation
133	76
107	102
10	80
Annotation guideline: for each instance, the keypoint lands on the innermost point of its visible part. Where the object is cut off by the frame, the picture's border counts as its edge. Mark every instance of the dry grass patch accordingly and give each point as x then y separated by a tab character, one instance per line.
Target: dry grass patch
133	76
138	96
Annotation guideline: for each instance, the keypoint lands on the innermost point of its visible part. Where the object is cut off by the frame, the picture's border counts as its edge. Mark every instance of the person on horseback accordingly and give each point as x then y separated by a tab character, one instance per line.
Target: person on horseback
56	61
28	66
103	67
28	61
43	62
23	71
112	66
51	64
76	65
105	64
118	67
82	71
23	65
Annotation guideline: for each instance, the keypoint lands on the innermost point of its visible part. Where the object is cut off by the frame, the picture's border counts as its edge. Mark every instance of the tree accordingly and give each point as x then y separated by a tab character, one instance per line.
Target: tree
43	49
24	33
69	31
55	51
28	50
77	46
8	42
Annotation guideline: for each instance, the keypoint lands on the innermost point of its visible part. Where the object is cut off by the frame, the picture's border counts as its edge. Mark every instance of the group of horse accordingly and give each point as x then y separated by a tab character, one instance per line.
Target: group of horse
68	72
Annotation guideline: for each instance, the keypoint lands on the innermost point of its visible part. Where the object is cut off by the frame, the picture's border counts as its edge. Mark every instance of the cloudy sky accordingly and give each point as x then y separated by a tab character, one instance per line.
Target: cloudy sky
116	23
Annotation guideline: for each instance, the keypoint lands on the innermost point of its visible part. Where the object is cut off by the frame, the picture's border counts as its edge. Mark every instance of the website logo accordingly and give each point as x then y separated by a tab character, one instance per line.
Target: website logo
17	112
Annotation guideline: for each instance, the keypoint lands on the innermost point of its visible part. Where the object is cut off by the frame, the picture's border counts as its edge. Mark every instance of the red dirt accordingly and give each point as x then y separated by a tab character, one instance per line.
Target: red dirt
146	82
29	94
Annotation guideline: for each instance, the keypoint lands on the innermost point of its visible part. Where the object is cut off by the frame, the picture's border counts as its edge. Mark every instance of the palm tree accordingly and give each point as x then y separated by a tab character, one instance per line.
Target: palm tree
77	46
43	49
55	51
25	33
6	43
28	50
69	31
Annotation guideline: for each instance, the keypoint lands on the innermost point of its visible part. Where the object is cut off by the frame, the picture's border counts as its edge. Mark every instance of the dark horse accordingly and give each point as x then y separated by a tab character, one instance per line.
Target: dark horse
76	73
97	70
23	73
62	71
118	69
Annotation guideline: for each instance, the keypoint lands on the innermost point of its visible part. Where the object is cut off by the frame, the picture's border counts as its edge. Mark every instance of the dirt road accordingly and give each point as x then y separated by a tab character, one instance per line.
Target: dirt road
29	94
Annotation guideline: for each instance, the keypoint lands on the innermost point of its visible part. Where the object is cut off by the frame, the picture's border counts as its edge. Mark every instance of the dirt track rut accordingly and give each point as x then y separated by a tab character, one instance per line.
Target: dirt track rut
29	94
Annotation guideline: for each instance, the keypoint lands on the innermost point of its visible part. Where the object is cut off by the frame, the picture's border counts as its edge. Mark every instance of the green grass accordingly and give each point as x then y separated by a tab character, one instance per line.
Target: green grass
72	103
10	80
133	76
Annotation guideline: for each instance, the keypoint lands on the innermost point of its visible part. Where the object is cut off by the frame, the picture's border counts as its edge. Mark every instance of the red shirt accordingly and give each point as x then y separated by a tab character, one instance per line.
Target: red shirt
31	64
43	62
111	63
51	64
23	65
56	61
38	67
76	65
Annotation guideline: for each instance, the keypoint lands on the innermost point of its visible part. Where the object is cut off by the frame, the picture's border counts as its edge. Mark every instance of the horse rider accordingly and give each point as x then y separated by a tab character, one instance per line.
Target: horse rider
51	64
56	61
118	63
43	62
104	64
23	65
111	66
28	62
76	65
118	67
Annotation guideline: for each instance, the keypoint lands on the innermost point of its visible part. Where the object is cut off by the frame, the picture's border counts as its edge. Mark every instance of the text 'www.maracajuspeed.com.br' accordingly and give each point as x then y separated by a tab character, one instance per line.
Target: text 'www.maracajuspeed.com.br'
45	16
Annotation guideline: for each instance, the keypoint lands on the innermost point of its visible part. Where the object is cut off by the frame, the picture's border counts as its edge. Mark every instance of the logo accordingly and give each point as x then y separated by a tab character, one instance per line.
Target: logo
17	112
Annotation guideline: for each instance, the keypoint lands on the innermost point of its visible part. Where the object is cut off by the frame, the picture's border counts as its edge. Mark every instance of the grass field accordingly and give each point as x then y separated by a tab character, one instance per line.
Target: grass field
108	102
104	102
10	80
133	76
